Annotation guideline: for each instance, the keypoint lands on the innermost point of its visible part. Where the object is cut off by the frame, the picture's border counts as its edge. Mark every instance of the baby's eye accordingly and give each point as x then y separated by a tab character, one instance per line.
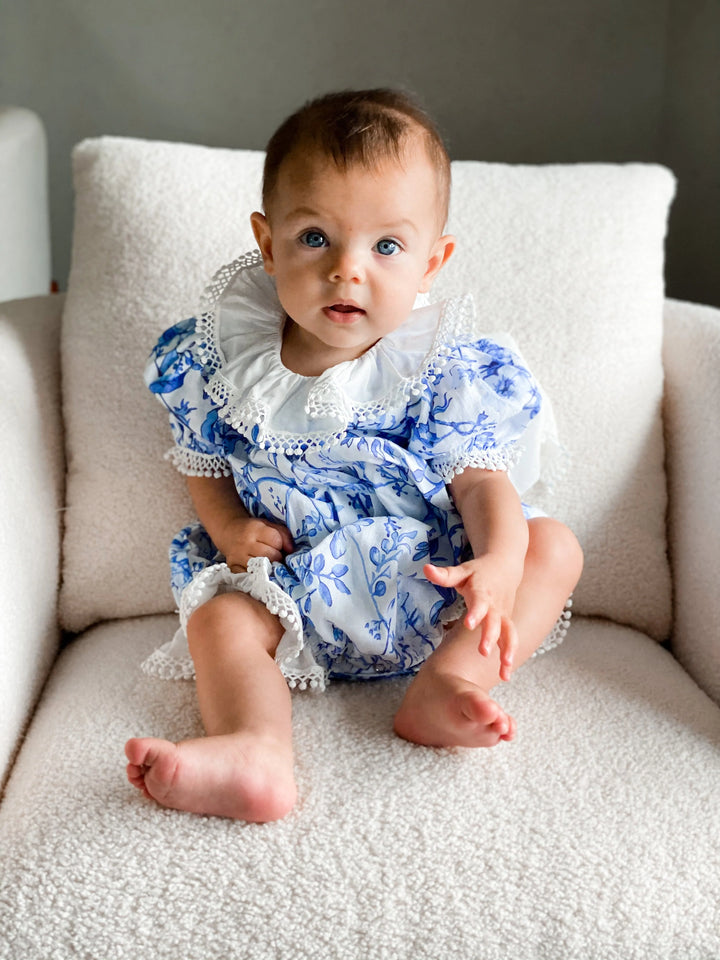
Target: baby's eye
387	247
313	238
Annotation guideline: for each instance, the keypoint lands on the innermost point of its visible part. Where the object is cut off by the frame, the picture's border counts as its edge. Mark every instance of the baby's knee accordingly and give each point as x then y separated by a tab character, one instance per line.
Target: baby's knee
556	548
233	617
216	608
217	615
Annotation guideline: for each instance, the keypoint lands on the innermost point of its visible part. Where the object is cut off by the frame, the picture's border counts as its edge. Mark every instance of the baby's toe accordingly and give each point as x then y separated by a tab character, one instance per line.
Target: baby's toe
509	734
478	708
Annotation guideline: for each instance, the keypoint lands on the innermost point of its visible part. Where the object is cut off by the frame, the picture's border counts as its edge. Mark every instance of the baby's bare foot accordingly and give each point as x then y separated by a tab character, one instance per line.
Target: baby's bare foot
442	710
237	775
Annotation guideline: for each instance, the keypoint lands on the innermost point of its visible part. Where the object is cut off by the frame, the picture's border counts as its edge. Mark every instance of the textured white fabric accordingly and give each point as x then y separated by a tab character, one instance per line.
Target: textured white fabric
594	835
568	259
24	212
152	222
31	490
692	414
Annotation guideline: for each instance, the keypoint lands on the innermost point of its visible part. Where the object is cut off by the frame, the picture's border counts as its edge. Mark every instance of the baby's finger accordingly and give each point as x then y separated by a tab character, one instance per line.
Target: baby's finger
278	536
477	607
445	576
239	561
490	632
273	554
477	601
288	544
508	644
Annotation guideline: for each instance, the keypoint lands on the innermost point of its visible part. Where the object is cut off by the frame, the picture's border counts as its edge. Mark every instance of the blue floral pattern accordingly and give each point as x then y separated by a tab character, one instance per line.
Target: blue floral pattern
366	510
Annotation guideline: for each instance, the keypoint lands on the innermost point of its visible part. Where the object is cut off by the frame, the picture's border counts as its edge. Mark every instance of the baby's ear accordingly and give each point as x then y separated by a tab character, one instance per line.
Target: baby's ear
263	236
439	256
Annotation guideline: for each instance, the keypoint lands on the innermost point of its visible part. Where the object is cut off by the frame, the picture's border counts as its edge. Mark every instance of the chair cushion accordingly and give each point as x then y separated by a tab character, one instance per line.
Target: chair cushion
568	259
593	834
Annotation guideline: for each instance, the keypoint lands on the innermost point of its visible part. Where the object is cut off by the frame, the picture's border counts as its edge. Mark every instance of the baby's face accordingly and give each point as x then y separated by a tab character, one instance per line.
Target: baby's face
351	249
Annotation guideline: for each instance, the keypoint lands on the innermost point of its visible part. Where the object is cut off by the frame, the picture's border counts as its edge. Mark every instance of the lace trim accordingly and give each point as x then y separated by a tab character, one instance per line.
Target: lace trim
499	458
326	400
164	666
456	610
292	656
456	325
195	464
249	414
558	632
304	673
248	417
208	351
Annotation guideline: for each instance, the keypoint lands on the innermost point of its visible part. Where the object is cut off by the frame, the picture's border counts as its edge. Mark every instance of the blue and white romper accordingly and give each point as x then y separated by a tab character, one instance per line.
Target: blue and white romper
355	463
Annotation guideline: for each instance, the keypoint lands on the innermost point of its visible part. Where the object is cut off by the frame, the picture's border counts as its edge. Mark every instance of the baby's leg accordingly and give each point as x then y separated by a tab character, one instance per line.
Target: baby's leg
244	767
449	703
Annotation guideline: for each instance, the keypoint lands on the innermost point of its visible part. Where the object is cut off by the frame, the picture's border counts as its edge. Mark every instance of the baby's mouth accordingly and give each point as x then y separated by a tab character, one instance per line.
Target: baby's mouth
343	312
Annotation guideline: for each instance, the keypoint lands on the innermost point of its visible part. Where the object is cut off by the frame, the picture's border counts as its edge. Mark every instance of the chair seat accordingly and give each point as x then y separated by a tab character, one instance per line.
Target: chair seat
544	847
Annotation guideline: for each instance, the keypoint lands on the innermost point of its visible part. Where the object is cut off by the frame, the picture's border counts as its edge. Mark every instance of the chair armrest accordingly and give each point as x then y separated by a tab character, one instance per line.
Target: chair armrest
24	213
31	493
691	356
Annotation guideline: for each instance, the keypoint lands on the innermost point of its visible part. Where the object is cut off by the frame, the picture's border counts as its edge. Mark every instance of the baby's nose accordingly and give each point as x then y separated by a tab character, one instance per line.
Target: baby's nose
347	265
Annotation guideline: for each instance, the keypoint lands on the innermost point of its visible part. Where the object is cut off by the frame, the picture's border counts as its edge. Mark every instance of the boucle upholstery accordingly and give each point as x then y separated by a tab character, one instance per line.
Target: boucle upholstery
691	356
32	480
580	840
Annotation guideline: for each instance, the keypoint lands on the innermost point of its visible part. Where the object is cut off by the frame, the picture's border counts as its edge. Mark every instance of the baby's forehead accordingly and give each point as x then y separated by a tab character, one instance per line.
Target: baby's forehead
306	167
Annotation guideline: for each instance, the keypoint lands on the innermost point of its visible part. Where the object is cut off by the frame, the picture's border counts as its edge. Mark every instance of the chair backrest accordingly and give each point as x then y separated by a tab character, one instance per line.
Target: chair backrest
568	259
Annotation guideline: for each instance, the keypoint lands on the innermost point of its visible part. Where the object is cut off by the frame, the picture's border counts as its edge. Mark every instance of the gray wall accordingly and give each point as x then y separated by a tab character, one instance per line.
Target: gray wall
508	80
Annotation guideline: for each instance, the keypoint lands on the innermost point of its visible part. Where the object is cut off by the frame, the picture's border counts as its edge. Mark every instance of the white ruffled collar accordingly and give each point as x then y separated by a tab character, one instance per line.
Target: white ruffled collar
240	337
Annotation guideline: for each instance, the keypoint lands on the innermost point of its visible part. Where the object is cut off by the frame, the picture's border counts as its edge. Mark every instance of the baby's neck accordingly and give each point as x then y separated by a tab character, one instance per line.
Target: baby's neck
304	354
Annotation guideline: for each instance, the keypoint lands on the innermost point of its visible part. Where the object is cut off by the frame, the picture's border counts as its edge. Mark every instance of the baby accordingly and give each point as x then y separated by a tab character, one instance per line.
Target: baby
349	451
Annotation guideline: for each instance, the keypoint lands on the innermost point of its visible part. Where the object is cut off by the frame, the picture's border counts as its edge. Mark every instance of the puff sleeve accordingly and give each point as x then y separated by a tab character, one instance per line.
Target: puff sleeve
175	374
475	409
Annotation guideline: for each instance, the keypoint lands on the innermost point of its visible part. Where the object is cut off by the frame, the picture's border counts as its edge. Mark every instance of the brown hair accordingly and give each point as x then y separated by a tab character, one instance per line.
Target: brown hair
357	126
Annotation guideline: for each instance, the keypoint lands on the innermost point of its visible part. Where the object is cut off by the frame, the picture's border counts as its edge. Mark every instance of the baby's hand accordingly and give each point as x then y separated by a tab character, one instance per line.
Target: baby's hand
489	600
248	537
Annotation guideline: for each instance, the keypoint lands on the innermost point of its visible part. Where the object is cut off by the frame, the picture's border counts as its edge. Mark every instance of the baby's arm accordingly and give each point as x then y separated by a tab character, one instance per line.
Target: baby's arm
498	533
234	532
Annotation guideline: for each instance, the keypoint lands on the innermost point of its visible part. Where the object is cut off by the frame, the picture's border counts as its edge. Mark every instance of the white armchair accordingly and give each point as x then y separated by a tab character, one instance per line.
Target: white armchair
595	834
